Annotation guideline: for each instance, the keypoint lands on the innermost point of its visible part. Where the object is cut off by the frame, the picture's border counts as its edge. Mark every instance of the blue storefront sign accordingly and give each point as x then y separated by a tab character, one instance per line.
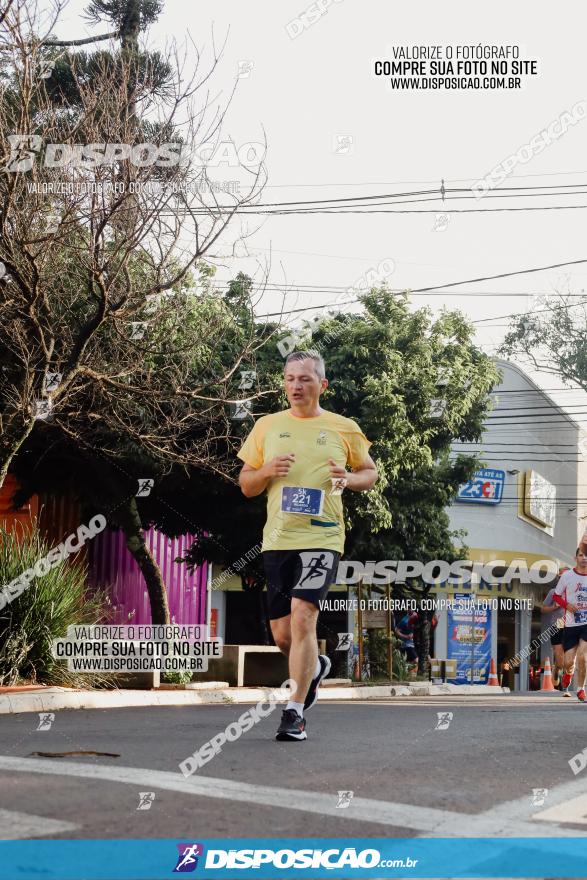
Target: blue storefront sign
469	639
485	487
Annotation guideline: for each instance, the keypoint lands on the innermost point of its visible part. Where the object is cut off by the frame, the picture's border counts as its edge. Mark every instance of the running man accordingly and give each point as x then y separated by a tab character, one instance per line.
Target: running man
555	613
300	457
571	594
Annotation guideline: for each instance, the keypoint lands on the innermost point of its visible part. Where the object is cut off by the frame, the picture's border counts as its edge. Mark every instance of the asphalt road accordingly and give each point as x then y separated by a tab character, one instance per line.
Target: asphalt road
408	778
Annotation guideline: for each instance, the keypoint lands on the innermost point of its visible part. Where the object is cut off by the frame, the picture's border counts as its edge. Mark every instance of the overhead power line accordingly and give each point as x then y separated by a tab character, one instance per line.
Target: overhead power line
305	288
414	182
535	390
448	285
252	211
499	443
439	193
526	408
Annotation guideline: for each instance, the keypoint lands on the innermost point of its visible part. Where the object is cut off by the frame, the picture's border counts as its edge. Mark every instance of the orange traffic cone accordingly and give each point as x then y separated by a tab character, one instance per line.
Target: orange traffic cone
547	684
492	681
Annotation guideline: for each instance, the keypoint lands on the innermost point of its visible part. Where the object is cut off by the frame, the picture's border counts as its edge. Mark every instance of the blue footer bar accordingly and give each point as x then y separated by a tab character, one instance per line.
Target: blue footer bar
227	859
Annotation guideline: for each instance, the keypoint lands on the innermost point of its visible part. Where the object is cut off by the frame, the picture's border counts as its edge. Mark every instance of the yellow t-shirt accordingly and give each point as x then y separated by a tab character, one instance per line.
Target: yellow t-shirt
314	441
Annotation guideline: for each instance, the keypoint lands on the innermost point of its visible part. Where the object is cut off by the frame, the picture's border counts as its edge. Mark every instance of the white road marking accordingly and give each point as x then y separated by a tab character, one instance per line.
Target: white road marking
431	821
19	826
572	793
574	810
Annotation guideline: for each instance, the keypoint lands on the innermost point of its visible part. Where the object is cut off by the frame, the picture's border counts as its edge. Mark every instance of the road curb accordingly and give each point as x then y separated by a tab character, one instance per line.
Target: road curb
54	699
433	690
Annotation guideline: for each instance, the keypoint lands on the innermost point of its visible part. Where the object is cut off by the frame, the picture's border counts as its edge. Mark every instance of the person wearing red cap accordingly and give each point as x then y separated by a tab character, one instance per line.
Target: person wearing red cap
571	594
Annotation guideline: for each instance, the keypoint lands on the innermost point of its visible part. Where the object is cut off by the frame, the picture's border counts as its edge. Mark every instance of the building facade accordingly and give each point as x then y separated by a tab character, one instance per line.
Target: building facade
525	504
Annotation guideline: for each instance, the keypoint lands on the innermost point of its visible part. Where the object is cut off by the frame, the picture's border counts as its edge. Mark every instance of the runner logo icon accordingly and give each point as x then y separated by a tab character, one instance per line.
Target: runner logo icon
315	569
187	861
345	641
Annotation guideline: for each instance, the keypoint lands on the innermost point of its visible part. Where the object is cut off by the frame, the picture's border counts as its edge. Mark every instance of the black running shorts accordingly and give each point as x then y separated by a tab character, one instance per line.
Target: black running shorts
557	637
572	634
298	574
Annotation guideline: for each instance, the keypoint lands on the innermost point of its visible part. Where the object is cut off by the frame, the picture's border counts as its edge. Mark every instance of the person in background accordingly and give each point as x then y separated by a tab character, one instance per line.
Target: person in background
571	594
404	631
433	625
553	613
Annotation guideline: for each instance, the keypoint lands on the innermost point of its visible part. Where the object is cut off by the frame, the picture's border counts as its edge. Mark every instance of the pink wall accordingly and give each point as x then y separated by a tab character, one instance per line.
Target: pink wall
113	567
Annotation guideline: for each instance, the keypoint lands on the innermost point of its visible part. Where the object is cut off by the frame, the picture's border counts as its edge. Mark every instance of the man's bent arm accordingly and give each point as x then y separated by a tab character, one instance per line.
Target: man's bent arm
363	478
253	481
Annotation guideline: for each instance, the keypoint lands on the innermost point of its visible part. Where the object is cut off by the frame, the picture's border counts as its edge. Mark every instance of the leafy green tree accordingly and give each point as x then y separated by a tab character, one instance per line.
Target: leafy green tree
551	337
87	248
110	327
163	421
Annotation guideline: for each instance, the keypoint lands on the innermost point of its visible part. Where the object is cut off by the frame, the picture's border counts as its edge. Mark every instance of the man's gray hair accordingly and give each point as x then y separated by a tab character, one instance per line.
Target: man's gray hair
312	355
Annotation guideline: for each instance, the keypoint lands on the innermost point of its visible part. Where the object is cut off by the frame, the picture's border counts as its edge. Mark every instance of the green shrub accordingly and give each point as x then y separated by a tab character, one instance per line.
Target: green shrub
42	613
181	676
401	670
376	651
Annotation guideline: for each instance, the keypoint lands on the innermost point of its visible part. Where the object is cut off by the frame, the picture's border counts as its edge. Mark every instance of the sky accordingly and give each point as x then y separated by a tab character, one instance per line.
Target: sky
335	130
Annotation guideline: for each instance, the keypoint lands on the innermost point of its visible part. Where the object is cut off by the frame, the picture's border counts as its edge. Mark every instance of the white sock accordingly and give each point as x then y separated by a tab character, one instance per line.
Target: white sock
318	669
299	707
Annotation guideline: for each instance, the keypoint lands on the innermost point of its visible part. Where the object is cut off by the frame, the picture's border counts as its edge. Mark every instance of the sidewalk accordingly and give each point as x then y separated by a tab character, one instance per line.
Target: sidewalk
52	699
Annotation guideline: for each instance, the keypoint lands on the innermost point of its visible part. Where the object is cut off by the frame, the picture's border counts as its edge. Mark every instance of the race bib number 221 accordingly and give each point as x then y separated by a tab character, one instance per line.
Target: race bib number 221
298	499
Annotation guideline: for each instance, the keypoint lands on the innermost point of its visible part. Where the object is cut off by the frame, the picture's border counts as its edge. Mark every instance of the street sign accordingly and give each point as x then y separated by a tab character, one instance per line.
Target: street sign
485	487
